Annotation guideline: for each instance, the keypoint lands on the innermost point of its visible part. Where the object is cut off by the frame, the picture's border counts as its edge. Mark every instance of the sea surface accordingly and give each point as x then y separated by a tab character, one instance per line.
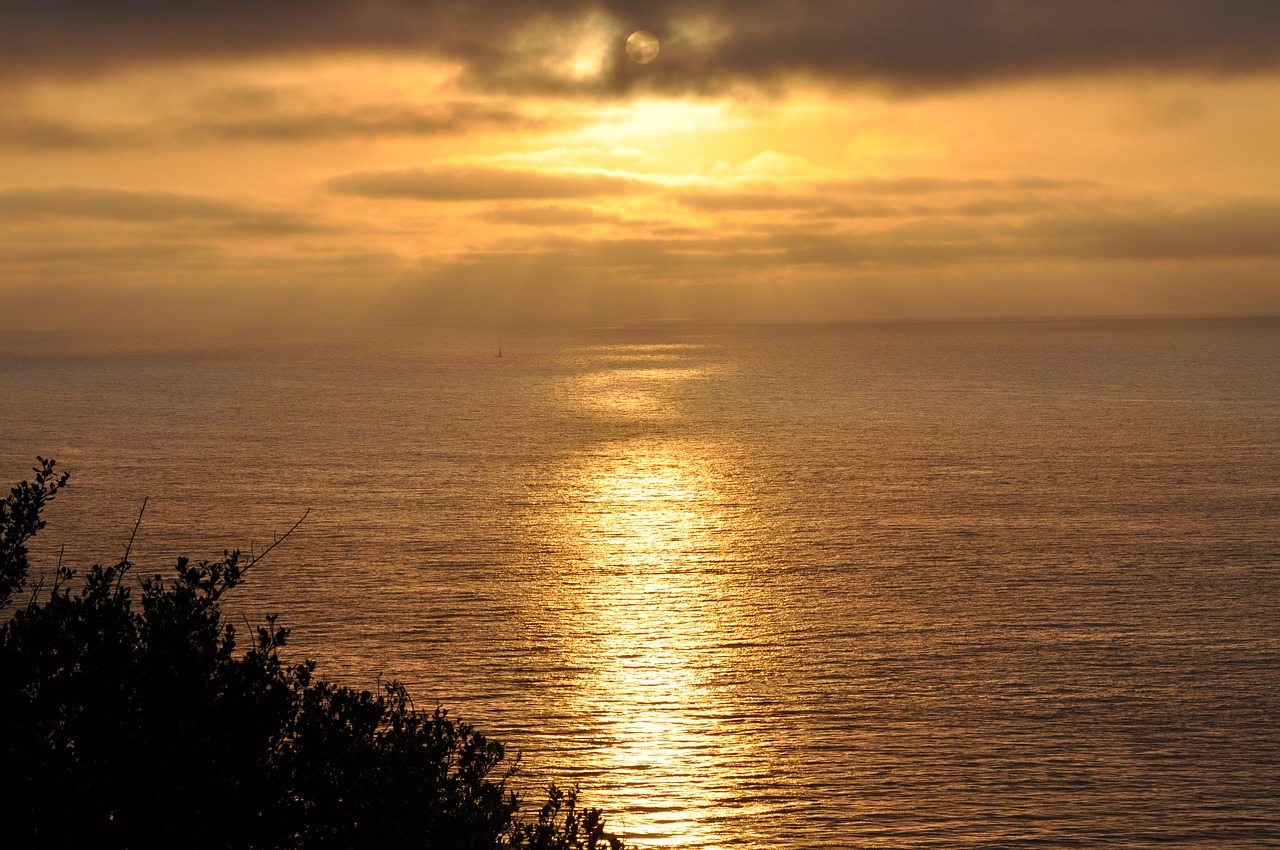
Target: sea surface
868	586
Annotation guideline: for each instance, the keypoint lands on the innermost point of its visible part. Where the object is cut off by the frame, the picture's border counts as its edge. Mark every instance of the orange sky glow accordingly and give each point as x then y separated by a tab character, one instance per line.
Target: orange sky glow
840	163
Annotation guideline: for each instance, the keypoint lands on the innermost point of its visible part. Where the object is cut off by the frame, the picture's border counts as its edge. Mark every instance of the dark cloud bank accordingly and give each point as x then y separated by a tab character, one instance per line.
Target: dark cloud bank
904	44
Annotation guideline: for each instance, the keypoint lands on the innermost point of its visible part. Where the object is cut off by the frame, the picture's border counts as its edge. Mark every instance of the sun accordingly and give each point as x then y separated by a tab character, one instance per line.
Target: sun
642	47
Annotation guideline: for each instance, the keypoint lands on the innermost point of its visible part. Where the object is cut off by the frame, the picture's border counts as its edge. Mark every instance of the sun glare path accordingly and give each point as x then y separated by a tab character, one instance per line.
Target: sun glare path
648	523
653	522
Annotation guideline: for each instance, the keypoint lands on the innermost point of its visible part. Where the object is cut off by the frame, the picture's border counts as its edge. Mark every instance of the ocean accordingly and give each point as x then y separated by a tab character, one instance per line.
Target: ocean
881	586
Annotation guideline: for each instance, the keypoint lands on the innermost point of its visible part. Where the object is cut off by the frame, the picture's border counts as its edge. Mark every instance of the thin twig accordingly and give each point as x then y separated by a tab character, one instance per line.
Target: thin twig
35	592
253	559
129	549
57	571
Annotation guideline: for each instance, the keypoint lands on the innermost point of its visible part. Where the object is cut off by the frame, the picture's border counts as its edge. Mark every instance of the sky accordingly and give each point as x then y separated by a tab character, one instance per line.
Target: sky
255	164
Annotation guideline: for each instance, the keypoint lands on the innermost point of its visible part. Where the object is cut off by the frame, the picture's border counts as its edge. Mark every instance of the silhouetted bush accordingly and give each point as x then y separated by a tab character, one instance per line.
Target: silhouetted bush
135	723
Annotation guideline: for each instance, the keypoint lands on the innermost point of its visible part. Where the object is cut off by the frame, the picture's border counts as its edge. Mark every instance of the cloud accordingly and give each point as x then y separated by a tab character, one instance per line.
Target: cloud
478	184
271	120
135	206
936	185
292	124
904	44
553	215
1239	228
44	134
923	44
889	197
719	201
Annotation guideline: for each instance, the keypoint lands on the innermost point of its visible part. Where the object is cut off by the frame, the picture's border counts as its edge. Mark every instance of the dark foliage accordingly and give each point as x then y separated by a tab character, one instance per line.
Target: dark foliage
133	722
19	521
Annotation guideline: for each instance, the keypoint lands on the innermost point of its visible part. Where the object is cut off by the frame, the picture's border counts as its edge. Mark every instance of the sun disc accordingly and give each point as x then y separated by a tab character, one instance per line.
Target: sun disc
642	47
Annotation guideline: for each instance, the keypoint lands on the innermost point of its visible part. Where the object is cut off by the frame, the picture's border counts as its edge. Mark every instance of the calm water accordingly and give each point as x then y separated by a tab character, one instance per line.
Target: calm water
912	586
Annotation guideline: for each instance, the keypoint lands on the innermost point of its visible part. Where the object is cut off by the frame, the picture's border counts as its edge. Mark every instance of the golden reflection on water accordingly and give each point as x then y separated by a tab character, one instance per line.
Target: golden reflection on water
655	535
643	392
